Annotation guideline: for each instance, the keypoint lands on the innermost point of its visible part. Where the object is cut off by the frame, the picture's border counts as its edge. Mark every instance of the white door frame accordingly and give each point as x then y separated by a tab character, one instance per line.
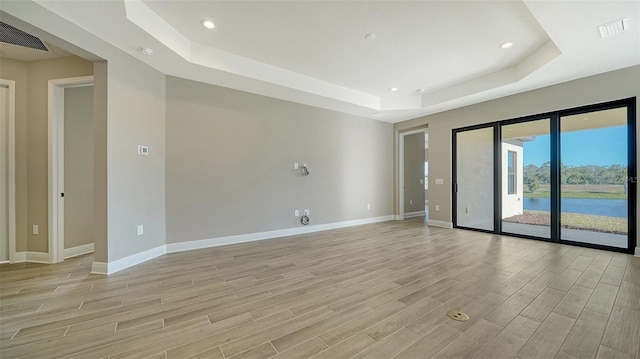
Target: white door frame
56	161
401	136
11	173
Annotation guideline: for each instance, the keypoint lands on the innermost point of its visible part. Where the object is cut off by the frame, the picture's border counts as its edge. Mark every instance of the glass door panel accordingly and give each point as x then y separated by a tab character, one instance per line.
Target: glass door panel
593	178
474	178
526	178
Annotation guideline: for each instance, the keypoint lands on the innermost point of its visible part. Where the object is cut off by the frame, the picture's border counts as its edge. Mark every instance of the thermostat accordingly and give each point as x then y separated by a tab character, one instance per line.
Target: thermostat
143	150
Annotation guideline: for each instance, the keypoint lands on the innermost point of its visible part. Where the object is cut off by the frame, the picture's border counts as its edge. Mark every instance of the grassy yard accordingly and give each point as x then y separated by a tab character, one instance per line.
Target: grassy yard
582	191
586	222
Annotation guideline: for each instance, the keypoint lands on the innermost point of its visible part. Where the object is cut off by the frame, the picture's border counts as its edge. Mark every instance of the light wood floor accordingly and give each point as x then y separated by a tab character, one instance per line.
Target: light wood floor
375	291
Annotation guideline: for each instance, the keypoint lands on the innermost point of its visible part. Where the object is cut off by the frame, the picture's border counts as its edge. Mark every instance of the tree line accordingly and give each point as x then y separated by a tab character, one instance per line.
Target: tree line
534	176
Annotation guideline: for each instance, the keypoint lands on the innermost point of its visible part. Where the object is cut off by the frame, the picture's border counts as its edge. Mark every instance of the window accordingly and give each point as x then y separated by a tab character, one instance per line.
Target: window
512	157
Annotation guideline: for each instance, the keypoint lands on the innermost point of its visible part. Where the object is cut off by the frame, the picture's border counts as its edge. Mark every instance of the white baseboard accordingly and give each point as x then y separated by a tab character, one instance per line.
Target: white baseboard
20	257
99	268
78	251
250	237
31	257
126	262
441	224
414	214
637	251
120	264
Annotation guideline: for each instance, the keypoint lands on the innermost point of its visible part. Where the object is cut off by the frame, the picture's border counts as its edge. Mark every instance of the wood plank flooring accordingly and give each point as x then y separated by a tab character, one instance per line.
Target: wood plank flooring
374	291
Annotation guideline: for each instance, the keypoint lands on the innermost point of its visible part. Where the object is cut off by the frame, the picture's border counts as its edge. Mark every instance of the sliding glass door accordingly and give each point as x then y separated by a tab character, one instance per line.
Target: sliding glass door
526	178
474	168
593	176
567	176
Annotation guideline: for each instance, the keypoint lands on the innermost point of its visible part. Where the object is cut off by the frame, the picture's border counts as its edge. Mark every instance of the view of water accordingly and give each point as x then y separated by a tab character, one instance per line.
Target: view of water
598	207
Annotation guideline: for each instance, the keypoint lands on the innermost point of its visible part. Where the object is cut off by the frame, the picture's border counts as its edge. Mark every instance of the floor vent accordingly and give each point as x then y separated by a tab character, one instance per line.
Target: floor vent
458	315
11	35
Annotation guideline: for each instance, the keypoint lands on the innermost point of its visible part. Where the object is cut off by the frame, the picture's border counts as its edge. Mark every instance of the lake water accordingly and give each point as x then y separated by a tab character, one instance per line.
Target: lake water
598	207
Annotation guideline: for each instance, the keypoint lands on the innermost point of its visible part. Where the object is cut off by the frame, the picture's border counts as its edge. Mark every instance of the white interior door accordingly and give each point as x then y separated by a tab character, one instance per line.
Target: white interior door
4	166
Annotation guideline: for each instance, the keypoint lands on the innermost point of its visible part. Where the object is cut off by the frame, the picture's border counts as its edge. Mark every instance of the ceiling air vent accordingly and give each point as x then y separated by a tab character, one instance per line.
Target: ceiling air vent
613	27
11	35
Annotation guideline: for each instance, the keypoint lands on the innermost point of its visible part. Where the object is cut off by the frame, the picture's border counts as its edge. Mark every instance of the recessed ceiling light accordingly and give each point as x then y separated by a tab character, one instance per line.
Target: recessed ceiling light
208	24
506	45
370	36
145	51
393	89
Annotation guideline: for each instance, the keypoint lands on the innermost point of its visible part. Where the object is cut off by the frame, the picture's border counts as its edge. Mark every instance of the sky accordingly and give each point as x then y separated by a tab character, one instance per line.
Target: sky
601	147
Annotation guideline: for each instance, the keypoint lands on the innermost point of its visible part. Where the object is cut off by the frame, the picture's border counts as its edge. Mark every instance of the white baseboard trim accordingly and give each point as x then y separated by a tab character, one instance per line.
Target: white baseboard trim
637	252
126	262
123	263
99	268
20	257
78	251
414	214
441	224
250	237
31	257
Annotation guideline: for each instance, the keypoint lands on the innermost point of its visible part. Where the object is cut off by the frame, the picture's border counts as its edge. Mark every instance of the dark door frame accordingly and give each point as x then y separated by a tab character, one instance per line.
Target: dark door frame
554	130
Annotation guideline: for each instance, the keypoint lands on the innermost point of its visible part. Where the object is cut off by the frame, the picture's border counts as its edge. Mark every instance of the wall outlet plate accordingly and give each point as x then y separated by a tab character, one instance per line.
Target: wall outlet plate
140	230
306	212
296	213
143	150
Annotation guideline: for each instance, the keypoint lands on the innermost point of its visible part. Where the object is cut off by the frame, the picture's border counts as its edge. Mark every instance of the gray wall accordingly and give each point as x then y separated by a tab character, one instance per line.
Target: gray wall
18	71
609	86
78	166
230	158
136	184
129	110
414	153
32	141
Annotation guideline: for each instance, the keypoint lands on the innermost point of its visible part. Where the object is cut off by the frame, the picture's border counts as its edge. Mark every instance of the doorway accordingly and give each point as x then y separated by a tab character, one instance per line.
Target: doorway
70	167
567	176
7	171
413	174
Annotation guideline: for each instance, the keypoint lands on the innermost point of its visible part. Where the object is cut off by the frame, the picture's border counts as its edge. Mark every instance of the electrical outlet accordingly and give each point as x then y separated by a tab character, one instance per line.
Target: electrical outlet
368	205
411	202
140	230
296	213
295	166
35	229
306	212
437	207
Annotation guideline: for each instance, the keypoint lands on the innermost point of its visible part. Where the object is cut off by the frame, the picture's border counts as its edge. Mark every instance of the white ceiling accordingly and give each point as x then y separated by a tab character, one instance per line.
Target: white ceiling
315	52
